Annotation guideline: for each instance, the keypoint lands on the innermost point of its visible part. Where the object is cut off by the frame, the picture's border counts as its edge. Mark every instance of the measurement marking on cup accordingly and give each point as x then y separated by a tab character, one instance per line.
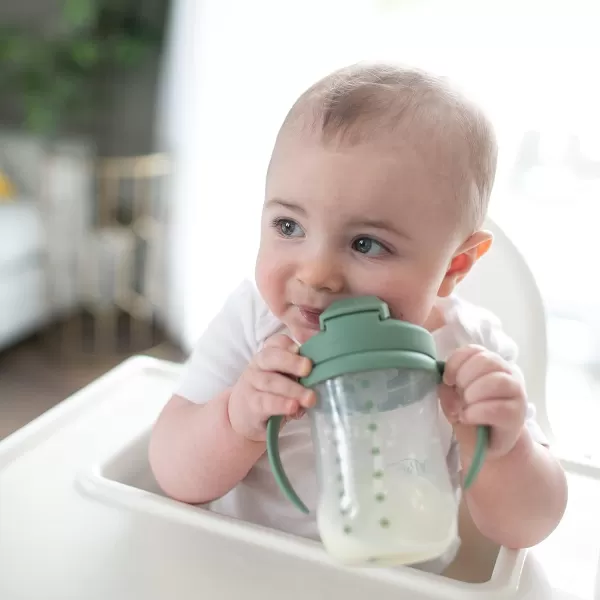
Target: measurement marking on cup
384	523
378	474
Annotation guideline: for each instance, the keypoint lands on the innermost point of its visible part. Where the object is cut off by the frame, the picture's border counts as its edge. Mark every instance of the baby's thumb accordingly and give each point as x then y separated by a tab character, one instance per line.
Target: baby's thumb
450	402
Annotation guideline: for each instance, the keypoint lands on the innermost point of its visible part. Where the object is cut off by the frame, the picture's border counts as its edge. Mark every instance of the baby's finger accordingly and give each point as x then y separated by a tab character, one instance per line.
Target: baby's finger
450	402
283	361
457	359
493	385
503	413
272	404
479	365
281	385
282	341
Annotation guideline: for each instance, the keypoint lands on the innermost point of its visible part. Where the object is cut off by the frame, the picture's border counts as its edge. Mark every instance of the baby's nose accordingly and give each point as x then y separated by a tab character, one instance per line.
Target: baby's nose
323	274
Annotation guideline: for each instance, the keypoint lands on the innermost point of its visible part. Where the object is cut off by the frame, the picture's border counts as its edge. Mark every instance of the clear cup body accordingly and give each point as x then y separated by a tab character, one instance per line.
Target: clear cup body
385	491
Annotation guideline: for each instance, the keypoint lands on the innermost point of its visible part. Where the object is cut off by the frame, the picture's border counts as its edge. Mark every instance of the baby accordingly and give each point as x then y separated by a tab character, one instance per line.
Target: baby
378	185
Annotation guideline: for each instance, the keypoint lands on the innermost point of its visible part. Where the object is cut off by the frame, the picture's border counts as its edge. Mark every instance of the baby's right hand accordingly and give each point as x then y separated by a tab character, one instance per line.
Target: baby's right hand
268	387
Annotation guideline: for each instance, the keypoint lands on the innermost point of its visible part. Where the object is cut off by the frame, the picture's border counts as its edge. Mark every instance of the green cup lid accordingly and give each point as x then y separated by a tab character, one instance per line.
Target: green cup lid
358	334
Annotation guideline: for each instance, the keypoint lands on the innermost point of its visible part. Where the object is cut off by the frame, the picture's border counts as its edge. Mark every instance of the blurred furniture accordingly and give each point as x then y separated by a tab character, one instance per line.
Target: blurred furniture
23	306
41	231
122	266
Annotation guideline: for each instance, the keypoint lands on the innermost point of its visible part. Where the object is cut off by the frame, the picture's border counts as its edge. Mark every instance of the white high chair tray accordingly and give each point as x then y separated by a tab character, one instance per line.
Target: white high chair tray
80	517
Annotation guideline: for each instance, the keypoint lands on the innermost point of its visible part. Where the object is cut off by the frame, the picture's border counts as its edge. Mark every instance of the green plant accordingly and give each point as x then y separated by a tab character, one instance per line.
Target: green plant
56	75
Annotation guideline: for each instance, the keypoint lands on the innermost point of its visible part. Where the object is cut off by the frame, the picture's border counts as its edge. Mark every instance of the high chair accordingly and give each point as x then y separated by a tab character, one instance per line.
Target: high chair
502	282
82	517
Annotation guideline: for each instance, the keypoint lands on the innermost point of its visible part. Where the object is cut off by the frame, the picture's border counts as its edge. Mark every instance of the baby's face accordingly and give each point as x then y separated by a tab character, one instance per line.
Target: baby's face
352	221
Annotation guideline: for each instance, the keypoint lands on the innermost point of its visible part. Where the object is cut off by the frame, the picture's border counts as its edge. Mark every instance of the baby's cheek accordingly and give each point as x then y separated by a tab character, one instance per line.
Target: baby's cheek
261	271
413	309
267	286
271	281
402	301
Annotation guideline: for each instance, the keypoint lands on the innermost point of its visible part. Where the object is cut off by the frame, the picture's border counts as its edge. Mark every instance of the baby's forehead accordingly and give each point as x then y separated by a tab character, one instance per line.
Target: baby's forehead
410	161
396	106
385	180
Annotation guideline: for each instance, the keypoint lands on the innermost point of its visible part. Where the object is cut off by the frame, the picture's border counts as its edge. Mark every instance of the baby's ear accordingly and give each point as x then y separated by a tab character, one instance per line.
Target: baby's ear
464	259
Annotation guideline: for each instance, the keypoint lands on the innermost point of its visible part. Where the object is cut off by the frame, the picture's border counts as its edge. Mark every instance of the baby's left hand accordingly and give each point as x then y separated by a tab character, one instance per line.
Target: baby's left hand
480	388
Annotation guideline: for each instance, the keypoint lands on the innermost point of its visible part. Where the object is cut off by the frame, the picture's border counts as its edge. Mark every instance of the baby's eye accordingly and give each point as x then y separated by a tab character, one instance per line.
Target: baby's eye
368	246
288	228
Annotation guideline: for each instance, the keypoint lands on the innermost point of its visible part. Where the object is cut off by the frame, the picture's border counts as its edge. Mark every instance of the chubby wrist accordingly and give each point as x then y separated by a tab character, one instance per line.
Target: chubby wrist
235	434
523	448
520	453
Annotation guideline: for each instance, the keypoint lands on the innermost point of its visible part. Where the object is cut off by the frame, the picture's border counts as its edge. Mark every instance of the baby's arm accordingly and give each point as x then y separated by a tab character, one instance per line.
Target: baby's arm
200	452
520	494
195	454
517	500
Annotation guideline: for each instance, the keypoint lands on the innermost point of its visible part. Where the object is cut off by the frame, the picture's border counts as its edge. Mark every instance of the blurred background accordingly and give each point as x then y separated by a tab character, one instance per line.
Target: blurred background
134	137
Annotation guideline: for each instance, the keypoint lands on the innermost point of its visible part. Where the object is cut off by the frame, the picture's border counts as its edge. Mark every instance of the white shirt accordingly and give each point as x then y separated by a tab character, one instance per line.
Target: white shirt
224	351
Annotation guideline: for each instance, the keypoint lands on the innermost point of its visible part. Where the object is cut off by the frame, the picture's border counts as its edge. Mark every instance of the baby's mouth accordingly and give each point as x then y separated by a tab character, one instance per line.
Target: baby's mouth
311	316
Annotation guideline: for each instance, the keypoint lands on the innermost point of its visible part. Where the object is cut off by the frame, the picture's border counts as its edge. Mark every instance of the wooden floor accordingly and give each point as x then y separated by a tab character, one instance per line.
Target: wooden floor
38	373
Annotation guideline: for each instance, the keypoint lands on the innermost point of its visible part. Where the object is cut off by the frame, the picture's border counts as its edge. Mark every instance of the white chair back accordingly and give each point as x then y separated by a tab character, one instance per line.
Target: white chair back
502	282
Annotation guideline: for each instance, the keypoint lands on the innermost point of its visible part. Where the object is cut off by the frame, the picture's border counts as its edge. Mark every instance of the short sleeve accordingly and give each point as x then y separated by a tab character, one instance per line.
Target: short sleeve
224	349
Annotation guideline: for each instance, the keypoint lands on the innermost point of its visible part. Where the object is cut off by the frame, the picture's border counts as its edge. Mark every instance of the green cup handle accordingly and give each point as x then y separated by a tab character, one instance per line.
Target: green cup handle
481	445
273	428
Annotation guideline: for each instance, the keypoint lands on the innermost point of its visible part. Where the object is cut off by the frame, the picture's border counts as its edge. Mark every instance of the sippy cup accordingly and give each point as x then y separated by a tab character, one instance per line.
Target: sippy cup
385	494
